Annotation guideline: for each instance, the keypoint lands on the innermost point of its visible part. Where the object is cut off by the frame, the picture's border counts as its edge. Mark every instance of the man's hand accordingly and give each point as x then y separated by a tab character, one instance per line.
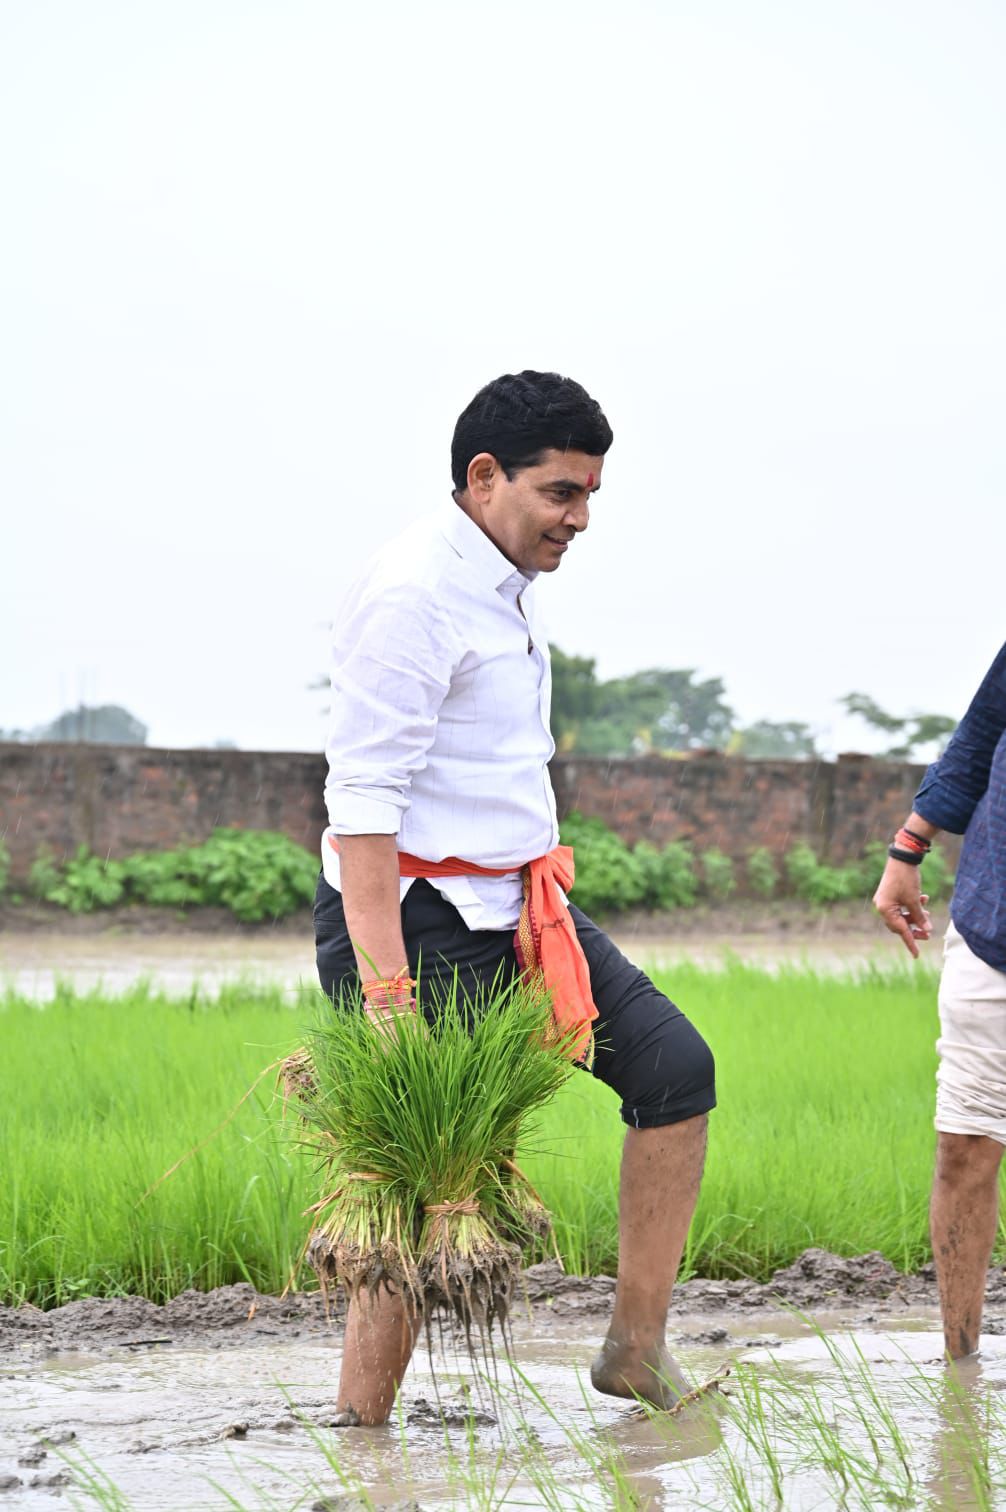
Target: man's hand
900	901
387	1001
386	1022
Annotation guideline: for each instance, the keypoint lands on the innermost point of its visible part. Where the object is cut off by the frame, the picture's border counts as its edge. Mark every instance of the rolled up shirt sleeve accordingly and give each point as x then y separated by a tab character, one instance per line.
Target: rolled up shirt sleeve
393	656
954	786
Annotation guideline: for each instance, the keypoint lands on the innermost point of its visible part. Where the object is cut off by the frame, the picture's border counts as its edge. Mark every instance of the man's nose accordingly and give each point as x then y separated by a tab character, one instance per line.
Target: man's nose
577	516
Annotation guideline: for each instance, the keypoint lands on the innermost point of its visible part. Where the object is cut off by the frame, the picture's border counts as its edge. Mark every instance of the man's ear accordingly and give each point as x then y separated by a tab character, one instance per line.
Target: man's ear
481	472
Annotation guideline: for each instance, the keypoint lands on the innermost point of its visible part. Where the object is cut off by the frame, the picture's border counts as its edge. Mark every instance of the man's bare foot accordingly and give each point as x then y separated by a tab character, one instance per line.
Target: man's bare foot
348	1418
624	1370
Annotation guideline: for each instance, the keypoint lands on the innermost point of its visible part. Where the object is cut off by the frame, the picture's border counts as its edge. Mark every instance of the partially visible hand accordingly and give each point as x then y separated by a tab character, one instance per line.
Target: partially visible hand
901	903
385	1021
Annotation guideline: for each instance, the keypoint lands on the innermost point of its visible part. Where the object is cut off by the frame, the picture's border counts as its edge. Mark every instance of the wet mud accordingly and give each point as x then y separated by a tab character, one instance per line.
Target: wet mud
189	1426
240	1315
228	1398
863	1288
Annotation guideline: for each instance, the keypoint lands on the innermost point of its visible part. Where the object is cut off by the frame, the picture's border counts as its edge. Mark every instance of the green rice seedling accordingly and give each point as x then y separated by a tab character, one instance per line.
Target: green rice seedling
525	1219
135	1080
415	1123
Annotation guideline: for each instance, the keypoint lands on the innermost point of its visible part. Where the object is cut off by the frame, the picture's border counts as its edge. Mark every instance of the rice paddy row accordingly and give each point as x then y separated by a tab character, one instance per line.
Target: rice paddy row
823	1135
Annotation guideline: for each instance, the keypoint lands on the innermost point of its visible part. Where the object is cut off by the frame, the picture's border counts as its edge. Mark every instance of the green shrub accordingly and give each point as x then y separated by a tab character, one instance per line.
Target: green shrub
257	874
647	859
762	872
164	879
4	868
820	884
608	876
679	884
82	884
43	874
869	868
801	870
937	878
668	875
718	874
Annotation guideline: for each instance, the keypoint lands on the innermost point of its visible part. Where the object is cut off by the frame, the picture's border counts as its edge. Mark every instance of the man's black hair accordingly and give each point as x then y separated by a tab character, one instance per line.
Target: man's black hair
519	417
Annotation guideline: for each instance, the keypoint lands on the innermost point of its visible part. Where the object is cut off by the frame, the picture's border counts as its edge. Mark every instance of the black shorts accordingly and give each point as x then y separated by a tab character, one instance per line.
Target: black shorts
645	1048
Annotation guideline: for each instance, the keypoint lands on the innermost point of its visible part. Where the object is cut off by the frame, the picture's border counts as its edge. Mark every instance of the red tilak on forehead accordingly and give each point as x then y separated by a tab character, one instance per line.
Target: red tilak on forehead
590	480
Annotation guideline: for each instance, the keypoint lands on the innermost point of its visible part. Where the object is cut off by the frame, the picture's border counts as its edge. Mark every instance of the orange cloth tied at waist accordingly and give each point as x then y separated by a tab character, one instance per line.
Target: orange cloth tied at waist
545	938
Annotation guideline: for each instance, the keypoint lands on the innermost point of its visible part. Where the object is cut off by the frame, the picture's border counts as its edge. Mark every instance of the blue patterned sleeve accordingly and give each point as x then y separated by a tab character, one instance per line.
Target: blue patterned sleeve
953	786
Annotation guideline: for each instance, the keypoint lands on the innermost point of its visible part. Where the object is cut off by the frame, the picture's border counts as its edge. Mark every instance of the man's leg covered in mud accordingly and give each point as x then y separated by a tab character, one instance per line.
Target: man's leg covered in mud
963	1217
649	1053
971	1120
380	1335
661	1171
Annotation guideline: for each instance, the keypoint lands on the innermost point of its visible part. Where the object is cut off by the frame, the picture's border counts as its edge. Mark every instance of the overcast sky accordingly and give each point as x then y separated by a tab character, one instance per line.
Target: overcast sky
258	256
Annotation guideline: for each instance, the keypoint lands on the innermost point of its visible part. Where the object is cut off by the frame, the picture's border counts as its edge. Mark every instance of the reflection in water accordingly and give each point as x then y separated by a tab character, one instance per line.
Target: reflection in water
971	1419
645	1444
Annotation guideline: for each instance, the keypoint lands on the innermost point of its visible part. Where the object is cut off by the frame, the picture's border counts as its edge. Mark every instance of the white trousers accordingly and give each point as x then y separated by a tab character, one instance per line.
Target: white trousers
971	1079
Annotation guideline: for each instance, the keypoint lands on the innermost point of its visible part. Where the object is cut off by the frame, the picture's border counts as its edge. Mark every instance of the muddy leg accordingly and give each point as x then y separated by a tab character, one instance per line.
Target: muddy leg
962	1217
661	1170
380	1334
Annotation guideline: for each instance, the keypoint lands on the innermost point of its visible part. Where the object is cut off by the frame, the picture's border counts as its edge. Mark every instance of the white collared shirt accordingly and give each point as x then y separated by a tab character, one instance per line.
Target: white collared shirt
439	733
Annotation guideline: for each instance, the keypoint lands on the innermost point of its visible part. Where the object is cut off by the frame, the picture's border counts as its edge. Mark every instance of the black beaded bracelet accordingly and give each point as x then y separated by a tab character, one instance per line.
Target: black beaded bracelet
914	858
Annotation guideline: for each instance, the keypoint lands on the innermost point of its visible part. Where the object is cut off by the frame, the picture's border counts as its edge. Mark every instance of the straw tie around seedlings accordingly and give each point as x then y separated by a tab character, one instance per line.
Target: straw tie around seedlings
466	1266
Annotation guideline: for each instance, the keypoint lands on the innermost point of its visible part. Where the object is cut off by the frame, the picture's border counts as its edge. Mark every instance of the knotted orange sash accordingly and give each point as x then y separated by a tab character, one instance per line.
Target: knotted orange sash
545	938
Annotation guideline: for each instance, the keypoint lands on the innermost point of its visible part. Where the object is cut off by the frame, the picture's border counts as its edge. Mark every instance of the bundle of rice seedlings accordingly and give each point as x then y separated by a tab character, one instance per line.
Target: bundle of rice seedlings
415	1132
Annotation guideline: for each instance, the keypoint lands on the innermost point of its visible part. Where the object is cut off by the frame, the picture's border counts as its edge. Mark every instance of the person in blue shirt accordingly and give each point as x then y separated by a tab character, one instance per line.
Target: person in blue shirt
963	792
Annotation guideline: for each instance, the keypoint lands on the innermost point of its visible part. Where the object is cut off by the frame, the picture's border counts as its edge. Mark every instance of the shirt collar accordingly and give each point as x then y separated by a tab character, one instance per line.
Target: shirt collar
482	554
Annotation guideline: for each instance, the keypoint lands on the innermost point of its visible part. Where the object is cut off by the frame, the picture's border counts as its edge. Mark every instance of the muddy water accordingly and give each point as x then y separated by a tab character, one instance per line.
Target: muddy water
32	963
187	1427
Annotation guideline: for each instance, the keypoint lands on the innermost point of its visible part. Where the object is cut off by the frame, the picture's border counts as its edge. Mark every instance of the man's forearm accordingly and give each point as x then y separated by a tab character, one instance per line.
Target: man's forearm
369	877
920	826
955	784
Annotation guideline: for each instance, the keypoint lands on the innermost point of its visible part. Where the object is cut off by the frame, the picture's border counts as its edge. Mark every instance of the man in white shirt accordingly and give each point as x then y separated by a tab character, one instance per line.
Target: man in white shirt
439	748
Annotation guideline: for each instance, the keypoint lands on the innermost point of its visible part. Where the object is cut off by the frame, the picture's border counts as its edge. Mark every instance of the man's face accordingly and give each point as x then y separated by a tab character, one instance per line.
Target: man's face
534	517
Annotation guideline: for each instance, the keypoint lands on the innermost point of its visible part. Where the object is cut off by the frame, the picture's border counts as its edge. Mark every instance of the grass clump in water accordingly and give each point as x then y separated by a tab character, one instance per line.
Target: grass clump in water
415	1123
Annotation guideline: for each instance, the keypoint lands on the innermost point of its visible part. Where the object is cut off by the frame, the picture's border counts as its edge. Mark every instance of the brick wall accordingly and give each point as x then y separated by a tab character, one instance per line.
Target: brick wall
720	801
118	799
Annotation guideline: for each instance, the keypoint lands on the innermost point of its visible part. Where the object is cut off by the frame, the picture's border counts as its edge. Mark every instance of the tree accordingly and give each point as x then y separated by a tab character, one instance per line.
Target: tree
766	739
660	709
574	695
107	724
669	710
915	729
